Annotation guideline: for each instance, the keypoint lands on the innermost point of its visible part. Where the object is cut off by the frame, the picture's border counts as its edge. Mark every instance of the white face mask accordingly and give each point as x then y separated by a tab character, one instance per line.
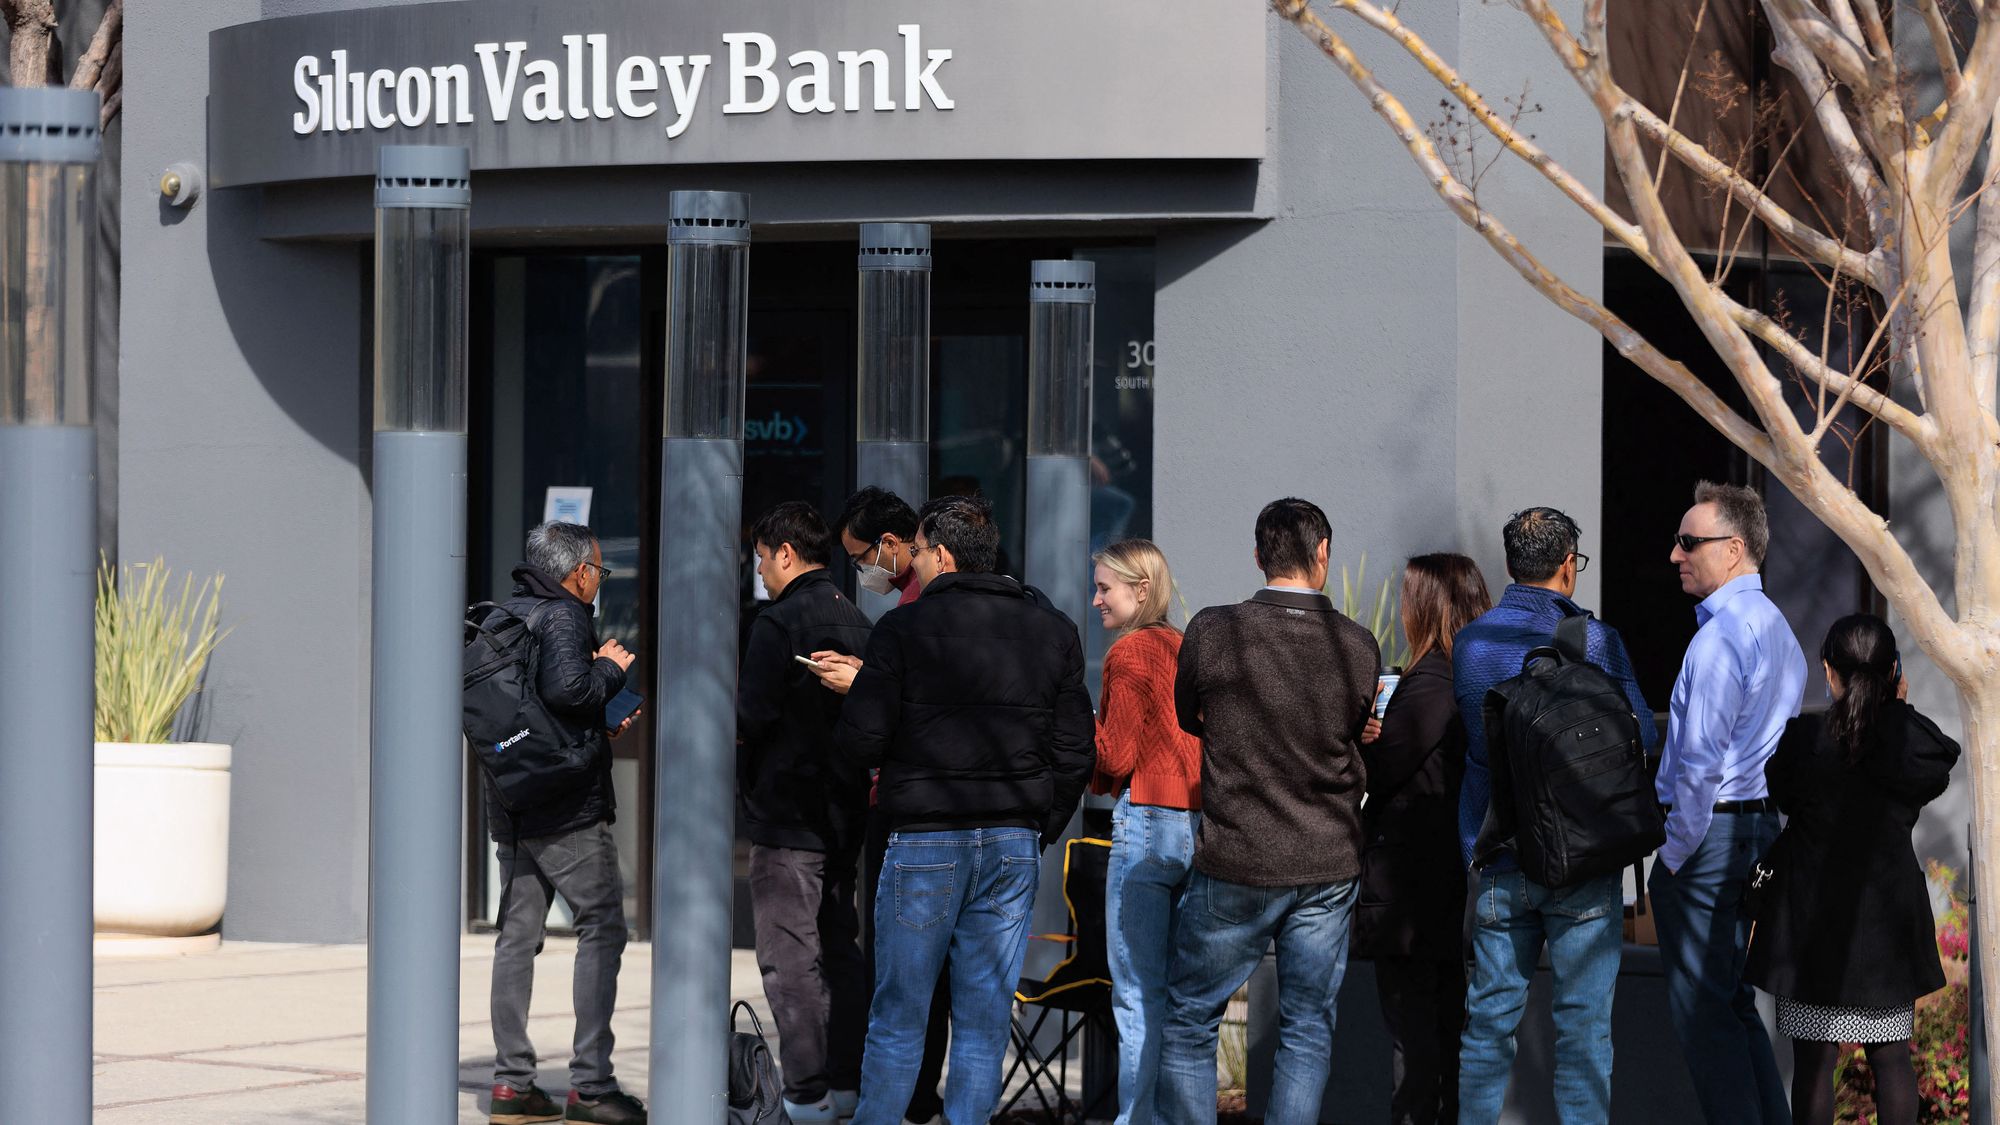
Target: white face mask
873	577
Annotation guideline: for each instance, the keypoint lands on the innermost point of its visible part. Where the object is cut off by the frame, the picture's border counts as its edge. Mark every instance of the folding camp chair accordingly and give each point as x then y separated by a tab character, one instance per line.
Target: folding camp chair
1077	992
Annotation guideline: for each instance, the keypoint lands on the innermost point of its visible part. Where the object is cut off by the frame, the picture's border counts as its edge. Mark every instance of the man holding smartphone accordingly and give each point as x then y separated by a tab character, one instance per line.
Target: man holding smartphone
563	843
804	808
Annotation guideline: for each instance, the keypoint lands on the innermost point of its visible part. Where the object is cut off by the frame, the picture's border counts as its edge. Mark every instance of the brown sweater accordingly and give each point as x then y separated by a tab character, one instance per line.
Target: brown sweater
1138	739
1278	688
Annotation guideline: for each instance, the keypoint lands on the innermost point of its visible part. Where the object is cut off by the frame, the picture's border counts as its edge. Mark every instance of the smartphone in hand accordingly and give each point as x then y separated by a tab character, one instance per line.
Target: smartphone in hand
810	663
621	708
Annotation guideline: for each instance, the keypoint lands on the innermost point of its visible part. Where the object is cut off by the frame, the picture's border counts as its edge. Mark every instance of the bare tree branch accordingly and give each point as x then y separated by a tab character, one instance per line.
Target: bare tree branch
1983	322
1628	234
1943	47
1791	456
1789	228
1680	85
1800	235
33	26
1842	12
1841	55
91	64
1859	171
1674	375
1877	36
1971	111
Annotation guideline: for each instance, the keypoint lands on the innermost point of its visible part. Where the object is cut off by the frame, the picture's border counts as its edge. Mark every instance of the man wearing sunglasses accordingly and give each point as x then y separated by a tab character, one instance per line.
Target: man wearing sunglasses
1741	681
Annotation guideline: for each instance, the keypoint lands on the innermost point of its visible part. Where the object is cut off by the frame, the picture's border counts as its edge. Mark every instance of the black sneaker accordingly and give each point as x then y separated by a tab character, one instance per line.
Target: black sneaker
523	1107
614	1108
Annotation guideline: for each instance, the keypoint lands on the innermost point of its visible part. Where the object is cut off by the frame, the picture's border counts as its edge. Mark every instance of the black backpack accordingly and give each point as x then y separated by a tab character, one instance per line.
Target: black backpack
754	1092
1572	794
527	754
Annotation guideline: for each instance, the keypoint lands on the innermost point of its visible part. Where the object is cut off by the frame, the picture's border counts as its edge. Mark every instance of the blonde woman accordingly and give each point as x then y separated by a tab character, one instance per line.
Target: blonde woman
1155	768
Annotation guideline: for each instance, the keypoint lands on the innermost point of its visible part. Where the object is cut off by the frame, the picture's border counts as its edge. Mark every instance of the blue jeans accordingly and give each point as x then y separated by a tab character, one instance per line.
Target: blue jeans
969	893
1703	941
1582	926
1152	850
1222	933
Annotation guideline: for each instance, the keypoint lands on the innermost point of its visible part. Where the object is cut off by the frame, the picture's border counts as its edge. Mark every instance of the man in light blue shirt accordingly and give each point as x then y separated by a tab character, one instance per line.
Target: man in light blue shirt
1741	680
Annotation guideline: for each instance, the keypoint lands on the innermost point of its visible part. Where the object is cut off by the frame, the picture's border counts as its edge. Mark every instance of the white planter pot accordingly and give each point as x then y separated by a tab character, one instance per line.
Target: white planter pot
162	837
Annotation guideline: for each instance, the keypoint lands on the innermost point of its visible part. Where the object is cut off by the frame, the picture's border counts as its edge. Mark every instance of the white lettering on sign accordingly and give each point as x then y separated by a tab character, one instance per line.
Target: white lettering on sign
581	80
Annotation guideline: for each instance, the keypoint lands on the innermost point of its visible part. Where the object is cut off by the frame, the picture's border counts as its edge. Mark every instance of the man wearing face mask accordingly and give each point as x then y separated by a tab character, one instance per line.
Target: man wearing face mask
878	531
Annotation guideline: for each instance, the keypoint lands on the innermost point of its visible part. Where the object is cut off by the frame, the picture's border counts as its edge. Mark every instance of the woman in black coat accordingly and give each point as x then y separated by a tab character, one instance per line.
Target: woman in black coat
1844	936
1410	917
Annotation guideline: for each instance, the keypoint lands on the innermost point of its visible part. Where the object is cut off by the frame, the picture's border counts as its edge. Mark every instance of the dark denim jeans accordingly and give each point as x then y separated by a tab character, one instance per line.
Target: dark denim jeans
968	892
814	976
1703	942
1223	931
1583	928
582	866
1152	855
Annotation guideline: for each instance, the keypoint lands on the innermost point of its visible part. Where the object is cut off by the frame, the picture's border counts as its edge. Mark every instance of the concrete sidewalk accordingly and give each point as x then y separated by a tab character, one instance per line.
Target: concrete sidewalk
277	1033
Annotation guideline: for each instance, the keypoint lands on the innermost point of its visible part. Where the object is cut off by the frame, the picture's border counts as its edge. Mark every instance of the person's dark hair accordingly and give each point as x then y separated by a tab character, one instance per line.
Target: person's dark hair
1289	532
556	548
874	512
794	522
1862	650
1442	593
964	526
1537	541
1742	512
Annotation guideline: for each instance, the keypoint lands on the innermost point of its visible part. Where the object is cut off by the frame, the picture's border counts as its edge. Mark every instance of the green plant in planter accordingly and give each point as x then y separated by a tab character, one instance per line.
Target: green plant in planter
1382	617
153	643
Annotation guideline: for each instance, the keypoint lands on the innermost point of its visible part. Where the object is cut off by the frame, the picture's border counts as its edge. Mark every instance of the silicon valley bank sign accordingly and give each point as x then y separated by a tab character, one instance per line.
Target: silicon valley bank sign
529	84
578	84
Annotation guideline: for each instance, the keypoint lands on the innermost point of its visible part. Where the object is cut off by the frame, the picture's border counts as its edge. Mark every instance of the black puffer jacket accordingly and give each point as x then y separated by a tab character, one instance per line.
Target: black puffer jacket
971	700
793	789
575	685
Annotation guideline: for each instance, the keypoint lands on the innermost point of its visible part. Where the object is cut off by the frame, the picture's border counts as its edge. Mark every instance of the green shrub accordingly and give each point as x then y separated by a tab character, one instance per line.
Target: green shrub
1382	617
153	643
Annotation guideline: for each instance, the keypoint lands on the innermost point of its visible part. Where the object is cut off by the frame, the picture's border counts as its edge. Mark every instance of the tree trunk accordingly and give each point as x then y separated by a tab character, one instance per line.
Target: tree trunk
1980	709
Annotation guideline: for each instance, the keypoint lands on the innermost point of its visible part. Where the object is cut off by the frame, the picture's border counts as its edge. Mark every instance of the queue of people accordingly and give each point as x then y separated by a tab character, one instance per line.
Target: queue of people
1269	794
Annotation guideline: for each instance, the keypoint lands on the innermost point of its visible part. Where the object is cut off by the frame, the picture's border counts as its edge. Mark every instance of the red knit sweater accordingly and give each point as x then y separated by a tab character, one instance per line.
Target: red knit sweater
1138	738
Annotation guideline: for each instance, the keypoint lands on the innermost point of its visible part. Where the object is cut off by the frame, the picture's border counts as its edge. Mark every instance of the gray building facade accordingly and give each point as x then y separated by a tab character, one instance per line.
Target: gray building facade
1285	309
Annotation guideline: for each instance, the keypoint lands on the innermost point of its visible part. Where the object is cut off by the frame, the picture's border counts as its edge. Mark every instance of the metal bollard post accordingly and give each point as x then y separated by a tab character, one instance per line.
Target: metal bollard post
893	370
423	199
48	510
1062	309
701	513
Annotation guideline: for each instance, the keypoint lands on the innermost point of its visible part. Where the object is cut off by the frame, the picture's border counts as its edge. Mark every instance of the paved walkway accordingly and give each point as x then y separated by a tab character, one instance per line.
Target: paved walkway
263	1033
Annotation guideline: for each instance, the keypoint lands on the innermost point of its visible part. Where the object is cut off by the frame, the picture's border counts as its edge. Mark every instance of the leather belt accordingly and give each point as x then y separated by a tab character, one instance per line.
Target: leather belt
1761	804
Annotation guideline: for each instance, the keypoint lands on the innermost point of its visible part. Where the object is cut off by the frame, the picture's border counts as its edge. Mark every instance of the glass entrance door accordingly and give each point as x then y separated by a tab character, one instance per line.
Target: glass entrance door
567	348
565	390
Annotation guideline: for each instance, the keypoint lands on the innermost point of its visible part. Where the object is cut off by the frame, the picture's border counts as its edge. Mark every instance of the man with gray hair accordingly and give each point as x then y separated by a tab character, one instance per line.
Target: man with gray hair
1741	681
563	842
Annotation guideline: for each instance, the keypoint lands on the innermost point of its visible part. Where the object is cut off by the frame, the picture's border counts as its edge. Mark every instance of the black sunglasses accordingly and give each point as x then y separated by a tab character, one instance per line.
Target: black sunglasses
1689	542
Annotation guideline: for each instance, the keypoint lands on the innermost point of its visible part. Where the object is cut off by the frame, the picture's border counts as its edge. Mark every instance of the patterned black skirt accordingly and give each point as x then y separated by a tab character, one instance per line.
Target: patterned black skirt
1845	1025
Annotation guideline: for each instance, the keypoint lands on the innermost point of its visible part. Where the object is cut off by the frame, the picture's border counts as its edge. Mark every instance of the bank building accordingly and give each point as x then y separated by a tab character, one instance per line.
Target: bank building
1281	307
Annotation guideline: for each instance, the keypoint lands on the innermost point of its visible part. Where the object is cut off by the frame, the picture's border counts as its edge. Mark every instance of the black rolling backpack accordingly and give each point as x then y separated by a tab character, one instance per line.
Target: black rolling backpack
1572	793
528	755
